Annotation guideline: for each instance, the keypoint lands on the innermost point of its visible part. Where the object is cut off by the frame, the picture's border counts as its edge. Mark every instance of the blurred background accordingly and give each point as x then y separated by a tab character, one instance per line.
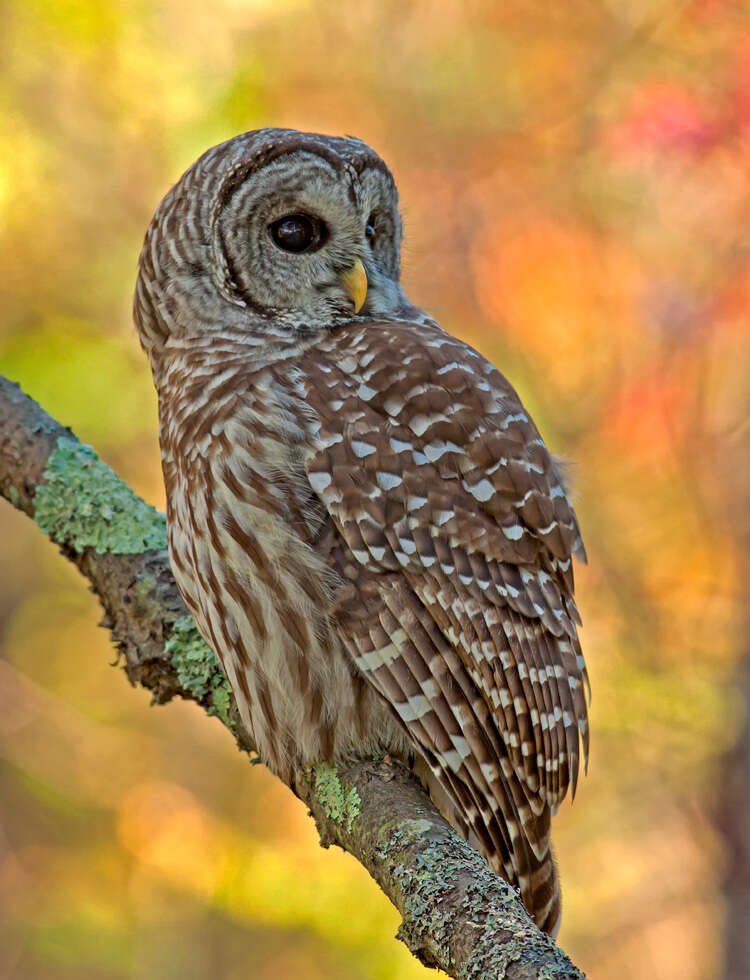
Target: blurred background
574	179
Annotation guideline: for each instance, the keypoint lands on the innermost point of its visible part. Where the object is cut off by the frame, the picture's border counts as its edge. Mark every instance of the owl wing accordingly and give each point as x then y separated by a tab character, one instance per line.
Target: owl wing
459	532
402	652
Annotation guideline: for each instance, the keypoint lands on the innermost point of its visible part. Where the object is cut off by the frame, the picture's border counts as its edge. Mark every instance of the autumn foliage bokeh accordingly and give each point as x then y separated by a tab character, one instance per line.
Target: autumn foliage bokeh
574	179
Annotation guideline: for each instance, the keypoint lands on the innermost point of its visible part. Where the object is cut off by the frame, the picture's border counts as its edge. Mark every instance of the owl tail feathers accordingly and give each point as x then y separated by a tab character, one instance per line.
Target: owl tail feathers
539	886
536	876
522	853
537	881
507	846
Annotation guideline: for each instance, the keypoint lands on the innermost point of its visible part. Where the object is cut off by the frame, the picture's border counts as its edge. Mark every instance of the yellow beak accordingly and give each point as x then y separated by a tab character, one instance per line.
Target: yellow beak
354	281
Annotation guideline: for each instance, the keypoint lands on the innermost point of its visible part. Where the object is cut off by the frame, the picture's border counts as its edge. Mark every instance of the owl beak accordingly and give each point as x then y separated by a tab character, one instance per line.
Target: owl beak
354	281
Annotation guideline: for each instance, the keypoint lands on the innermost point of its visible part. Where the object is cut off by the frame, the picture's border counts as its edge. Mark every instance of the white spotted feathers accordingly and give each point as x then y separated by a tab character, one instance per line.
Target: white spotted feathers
458	522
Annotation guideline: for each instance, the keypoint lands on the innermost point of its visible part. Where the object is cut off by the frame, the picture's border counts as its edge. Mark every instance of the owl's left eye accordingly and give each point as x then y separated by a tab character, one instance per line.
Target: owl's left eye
298	233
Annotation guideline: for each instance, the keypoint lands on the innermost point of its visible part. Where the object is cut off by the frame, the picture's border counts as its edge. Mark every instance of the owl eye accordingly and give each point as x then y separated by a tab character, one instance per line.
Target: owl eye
371	228
298	232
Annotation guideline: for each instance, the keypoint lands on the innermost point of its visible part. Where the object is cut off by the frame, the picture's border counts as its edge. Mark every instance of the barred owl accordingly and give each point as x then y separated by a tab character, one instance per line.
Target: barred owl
362	516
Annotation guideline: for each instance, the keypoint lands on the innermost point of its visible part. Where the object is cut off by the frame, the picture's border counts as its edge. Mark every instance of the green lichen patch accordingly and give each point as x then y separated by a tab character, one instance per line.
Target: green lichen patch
82	503
417	827
443	884
198	668
144	587
339	804
146	602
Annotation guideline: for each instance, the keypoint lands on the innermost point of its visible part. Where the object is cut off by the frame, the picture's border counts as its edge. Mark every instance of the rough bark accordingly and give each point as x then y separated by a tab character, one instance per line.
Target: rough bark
457	915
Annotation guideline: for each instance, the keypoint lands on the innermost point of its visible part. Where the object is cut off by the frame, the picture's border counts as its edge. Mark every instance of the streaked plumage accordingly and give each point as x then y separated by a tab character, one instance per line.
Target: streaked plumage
362	517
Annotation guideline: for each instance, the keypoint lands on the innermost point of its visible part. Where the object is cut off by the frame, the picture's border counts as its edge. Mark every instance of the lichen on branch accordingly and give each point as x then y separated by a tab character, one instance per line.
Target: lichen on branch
198	668
340	803
82	503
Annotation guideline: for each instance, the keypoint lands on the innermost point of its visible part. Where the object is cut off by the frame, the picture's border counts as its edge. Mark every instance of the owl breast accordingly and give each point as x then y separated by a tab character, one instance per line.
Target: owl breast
247	546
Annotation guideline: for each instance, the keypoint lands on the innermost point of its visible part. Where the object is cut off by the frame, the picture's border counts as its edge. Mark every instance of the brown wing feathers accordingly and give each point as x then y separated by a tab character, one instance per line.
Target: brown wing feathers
452	507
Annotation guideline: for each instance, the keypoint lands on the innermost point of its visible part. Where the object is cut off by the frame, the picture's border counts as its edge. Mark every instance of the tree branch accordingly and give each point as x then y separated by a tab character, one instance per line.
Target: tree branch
457	914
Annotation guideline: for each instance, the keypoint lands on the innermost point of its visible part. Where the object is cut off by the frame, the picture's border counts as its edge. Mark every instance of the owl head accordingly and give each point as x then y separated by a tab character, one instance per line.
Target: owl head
272	232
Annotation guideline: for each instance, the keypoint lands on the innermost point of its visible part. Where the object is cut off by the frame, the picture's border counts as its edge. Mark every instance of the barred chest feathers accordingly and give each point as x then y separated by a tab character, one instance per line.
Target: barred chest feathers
243	525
